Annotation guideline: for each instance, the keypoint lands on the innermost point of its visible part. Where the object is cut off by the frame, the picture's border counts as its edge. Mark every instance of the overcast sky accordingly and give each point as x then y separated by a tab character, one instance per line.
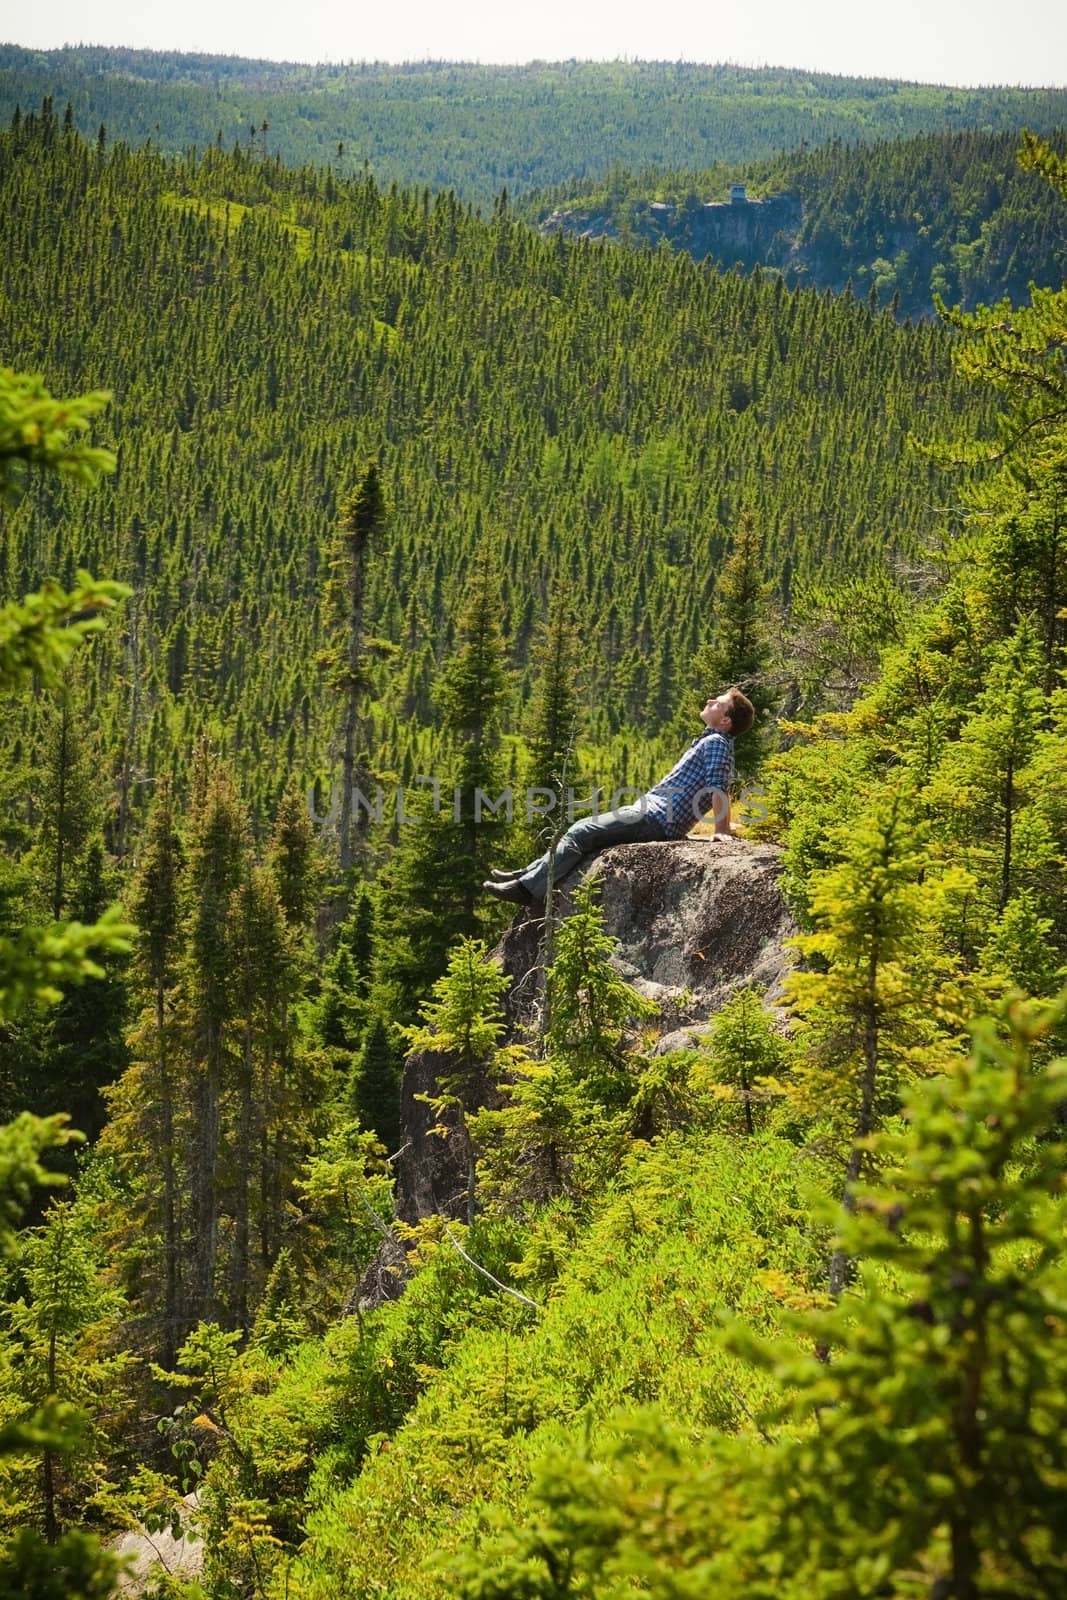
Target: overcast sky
942	41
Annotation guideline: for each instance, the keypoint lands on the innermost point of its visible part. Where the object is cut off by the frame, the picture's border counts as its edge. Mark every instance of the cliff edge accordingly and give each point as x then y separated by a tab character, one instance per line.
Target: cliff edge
694	919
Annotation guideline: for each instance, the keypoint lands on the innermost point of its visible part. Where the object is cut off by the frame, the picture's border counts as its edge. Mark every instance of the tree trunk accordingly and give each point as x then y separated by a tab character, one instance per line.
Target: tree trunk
1005	866
244	1173
355	651
171	1253
48	1462
61	815
864	1118
204	1197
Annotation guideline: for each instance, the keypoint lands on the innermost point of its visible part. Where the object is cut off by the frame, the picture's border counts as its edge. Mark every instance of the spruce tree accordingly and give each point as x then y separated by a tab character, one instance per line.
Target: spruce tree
259	956
344	651
82	1049
292	858
374	1091
428	892
294	868
977	789
61	1327
155	906
472	693
740	649
463	1023
69	806
553	719
215	855
872	991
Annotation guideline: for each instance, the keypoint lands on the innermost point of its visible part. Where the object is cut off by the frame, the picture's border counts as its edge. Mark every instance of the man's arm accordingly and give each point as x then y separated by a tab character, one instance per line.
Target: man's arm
720	771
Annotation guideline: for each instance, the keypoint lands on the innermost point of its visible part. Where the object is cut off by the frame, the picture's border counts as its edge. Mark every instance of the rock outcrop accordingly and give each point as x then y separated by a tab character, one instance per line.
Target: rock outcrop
695	920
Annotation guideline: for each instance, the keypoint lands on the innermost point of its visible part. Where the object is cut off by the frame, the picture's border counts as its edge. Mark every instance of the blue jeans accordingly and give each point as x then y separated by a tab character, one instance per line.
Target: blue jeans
588	837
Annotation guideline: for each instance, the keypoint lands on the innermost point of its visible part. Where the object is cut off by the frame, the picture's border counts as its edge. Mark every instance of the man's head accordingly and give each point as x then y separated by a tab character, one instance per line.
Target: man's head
730	712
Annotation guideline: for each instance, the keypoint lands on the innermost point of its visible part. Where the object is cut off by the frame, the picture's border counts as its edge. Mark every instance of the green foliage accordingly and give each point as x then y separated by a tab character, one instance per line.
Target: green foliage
869	989
462	1023
745	1057
632	1319
977	787
582	455
568	1118
946	212
39	431
739	651
74	1568
479	128
927	1456
38	636
472	1437
344	654
22	1143
553	718
59	1370
591	1011
433	881
375	1085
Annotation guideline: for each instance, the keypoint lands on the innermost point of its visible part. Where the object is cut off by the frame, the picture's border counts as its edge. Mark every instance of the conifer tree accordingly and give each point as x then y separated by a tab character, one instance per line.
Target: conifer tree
344	652
259	957
279	1324
82	1049
472	692
428	893
292	858
876	994
60	1326
462	1022
69	807
215	856
155	906
375	1085
978	786
553	717
293	865
739	651
927	1456
741	1048
38	638
590	1010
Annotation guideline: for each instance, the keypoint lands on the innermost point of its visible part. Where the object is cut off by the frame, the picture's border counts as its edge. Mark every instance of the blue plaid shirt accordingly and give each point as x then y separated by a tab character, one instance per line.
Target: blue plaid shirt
689	789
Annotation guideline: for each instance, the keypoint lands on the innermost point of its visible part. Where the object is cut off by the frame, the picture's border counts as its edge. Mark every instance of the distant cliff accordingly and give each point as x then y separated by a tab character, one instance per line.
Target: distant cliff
753	232
902	220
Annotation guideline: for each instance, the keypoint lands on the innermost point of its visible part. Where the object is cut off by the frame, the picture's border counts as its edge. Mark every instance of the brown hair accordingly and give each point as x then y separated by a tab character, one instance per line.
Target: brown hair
740	710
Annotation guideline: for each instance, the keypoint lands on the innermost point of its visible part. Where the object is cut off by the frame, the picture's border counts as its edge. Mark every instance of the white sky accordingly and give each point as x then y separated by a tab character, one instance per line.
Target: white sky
943	41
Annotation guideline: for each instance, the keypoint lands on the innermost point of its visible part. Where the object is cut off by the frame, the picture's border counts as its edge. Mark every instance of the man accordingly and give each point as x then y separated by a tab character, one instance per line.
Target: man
699	782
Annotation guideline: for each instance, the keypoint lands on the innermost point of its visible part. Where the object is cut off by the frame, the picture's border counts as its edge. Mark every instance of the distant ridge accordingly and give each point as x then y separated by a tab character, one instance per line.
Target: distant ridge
481	129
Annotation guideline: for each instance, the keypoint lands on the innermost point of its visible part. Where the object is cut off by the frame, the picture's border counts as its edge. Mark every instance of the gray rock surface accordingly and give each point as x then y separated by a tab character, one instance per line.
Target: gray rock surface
695	920
147	1552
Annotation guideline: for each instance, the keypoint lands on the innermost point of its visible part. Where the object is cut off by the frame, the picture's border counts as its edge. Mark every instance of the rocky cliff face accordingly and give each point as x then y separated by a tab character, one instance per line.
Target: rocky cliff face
695	920
755	232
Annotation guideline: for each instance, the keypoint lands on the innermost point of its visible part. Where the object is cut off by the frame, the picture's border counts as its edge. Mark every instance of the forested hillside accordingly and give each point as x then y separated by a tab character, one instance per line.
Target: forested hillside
598	420
387	495
947	213
480	129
